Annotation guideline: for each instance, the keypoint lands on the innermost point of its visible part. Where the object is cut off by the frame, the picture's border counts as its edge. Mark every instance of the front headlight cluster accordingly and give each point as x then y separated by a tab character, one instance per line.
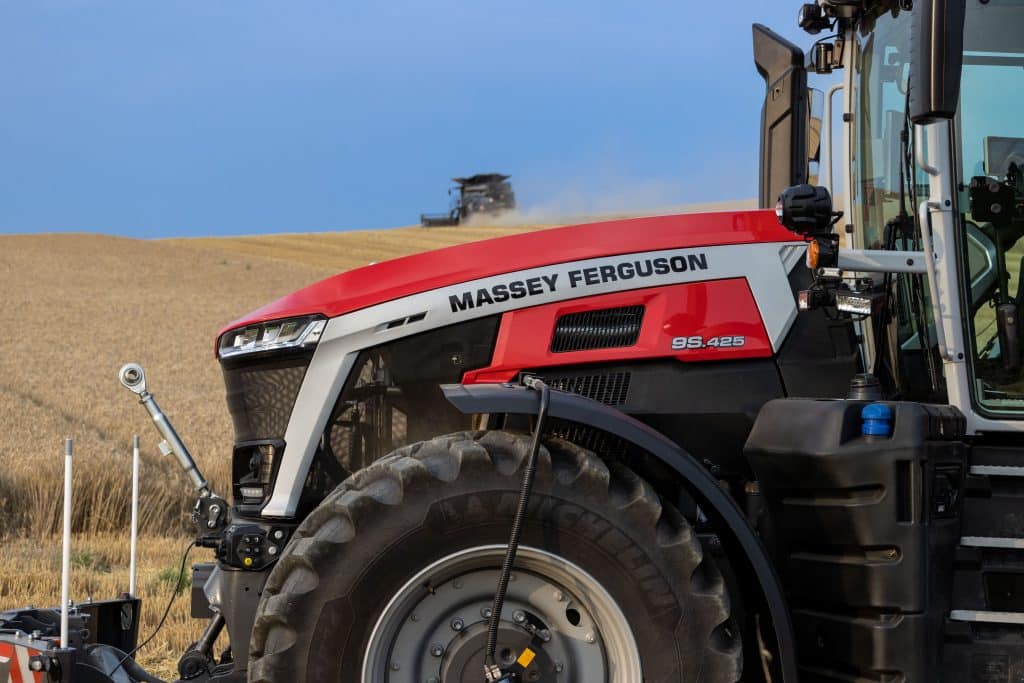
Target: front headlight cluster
253	471
273	335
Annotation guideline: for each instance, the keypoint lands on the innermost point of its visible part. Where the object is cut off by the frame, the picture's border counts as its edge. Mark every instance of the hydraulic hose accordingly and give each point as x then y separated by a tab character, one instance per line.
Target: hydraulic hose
517	525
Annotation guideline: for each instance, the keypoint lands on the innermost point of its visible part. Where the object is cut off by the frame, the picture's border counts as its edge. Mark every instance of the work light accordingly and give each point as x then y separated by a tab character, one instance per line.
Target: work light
812	18
806	210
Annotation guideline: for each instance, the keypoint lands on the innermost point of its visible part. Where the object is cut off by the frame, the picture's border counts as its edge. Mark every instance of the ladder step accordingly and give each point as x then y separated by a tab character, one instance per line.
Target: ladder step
992	542
987	617
997	471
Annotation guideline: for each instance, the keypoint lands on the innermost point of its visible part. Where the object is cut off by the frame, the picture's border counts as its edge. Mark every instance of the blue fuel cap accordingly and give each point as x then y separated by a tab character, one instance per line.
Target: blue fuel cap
877	420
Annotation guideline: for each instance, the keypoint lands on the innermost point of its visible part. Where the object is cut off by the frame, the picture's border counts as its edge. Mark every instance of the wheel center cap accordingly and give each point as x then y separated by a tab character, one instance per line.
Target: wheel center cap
517	650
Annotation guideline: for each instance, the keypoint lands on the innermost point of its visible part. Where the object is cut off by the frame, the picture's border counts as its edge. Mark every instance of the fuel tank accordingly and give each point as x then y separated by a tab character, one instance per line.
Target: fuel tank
862	519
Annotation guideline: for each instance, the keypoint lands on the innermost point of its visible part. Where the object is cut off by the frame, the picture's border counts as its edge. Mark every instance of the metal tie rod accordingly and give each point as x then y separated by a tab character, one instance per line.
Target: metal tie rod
133	378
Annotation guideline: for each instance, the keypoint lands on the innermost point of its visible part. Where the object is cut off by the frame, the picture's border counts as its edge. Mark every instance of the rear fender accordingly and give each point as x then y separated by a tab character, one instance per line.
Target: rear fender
727	518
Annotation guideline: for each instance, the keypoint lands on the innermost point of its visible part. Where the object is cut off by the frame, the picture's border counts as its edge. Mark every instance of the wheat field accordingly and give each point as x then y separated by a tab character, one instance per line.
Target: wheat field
78	306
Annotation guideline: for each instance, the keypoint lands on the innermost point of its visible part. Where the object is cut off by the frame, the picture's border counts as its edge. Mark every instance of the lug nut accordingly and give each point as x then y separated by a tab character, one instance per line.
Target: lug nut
545	635
437	649
458	624
559	596
519	616
559	667
486	612
590	637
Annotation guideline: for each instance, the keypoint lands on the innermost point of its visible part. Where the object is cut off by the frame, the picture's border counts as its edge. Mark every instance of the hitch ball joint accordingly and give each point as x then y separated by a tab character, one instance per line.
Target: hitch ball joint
133	378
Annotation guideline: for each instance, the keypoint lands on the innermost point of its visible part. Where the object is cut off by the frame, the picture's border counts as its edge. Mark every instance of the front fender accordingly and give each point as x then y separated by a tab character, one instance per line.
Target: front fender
714	502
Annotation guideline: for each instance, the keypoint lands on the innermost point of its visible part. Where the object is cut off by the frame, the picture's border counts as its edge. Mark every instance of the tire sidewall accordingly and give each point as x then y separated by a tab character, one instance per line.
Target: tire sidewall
438	519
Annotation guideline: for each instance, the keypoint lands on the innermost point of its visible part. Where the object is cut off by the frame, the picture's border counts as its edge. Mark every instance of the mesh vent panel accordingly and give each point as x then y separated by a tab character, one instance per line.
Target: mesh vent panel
604	329
260	397
610	388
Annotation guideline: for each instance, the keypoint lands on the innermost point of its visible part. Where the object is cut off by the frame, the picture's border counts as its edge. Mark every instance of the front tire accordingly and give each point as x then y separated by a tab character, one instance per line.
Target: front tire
388	579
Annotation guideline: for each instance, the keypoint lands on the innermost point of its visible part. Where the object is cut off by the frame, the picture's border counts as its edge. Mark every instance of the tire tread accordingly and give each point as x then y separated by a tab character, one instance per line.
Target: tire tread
383	484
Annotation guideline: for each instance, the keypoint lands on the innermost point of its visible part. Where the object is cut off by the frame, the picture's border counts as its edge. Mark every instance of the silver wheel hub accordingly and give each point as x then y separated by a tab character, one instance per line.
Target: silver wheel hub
558	624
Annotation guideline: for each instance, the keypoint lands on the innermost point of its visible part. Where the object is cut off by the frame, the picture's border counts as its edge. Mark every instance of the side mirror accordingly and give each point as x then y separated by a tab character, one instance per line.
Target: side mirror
937	54
784	118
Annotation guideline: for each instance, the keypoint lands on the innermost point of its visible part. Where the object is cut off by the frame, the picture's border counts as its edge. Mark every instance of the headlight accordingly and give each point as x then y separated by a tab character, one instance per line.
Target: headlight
268	336
253	470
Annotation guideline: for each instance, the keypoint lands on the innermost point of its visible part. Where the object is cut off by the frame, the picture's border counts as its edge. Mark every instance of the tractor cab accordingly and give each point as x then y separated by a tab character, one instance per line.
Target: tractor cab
926	255
905	499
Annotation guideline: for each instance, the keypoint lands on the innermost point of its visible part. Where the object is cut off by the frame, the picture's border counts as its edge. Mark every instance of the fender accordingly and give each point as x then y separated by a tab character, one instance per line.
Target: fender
716	503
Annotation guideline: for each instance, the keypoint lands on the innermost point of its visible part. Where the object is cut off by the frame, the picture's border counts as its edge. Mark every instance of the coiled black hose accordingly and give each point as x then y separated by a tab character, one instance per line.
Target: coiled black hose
517	522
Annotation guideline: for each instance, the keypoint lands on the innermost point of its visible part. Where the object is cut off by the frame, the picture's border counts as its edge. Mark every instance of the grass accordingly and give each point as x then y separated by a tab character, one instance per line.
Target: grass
30	575
338	251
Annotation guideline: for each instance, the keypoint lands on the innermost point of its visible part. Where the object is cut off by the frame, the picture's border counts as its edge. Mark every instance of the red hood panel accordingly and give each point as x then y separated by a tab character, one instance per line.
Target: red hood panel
388	280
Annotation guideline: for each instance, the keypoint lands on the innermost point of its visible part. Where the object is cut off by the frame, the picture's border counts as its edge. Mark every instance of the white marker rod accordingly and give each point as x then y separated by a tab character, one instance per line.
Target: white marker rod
65	570
133	552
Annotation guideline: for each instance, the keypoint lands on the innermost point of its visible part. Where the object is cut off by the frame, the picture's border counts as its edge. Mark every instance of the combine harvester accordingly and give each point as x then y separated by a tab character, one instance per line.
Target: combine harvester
573	455
481	194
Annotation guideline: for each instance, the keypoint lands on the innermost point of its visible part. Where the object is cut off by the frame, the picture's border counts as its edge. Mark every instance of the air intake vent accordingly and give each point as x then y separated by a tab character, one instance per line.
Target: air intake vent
609	388
605	329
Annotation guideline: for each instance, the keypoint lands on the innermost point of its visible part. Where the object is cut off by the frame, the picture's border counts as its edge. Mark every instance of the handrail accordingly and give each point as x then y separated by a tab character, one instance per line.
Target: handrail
925	218
827	123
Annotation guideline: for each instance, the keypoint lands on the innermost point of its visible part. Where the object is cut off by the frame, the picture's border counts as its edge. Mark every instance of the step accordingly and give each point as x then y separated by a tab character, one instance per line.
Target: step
987	617
992	542
997	471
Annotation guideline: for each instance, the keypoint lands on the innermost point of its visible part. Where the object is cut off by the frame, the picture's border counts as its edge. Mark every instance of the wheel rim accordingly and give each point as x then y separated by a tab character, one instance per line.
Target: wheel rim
434	627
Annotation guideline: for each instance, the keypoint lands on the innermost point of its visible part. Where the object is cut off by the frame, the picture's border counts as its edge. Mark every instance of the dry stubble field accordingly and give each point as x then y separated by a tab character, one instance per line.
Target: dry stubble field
75	308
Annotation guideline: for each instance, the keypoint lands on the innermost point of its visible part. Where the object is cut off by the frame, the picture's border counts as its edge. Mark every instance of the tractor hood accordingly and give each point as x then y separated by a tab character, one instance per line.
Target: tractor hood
388	280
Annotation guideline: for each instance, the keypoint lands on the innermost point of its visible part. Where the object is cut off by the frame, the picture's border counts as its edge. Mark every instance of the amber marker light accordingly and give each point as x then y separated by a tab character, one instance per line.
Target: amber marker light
813	254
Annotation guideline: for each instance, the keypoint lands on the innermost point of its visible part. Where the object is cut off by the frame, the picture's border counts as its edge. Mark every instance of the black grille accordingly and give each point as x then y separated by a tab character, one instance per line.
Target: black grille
604	329
261	395
609	388
608	445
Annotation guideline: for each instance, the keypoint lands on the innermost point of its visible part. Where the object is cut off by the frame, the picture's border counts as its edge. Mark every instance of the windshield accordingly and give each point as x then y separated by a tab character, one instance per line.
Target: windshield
991	148
885	189
881	91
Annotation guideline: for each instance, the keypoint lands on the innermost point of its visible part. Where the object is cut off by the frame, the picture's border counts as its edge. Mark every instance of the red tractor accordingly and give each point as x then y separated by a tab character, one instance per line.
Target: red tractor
579	455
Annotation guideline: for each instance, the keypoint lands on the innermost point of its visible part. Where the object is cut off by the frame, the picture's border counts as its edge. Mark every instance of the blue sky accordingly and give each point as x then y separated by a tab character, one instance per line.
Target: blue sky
191	117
